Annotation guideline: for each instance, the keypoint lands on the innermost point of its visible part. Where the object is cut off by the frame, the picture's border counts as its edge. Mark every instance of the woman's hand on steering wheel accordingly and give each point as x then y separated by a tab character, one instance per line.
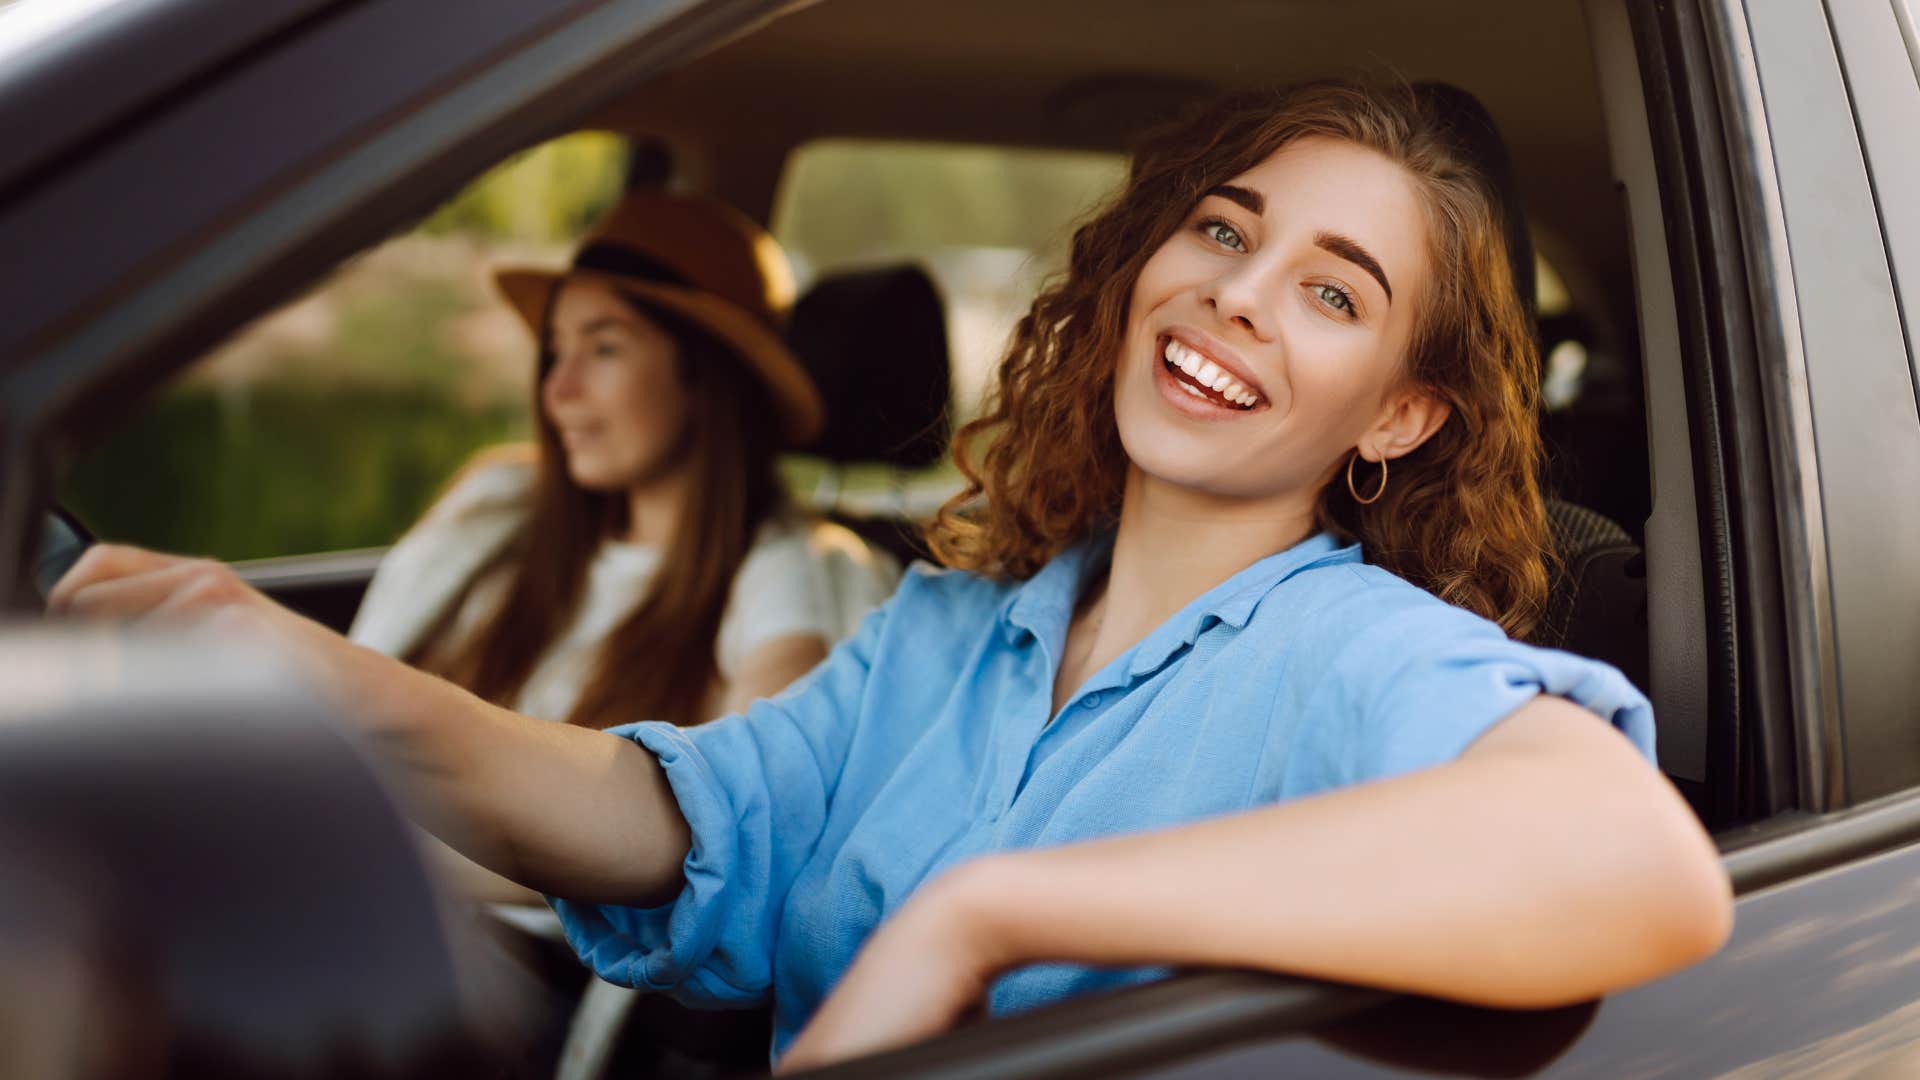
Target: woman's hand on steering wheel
116	581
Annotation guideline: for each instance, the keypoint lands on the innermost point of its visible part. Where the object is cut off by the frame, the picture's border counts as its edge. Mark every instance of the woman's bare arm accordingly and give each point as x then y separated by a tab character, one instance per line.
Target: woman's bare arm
471	880
1549	864
561	809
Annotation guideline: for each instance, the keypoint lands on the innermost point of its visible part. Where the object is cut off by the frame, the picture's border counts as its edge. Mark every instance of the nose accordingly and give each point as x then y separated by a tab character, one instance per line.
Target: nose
1240	294
563	379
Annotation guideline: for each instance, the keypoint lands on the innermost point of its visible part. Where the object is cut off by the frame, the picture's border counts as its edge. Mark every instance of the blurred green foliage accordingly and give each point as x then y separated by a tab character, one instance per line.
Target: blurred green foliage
548	194
342	443
287	468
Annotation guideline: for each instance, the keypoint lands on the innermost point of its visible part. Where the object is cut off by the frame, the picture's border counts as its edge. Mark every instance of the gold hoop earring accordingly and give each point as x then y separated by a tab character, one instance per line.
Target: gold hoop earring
1381	490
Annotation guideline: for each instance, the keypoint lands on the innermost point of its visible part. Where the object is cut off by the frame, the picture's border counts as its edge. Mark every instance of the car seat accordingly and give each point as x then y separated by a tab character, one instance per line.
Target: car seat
875	341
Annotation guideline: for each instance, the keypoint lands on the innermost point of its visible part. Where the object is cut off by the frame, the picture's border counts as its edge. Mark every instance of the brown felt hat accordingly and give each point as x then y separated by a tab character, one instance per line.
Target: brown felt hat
702	260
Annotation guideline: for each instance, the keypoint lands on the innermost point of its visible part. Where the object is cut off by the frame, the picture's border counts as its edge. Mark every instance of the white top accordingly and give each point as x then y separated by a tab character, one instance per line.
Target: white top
800	577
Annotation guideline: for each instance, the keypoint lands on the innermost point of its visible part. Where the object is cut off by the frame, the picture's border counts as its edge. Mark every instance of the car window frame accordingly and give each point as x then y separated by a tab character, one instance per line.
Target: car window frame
1880	59
1860	401
526	70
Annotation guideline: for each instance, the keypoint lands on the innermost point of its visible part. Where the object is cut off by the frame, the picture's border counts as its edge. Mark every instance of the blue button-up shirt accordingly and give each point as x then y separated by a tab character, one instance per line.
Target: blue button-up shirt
929	738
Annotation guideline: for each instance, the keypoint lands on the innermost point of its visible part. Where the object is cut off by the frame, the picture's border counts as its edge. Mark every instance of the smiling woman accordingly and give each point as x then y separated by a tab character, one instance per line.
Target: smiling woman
1276	288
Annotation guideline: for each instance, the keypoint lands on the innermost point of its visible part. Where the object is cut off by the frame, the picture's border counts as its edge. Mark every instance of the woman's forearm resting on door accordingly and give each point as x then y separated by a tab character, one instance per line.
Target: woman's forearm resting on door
1549	864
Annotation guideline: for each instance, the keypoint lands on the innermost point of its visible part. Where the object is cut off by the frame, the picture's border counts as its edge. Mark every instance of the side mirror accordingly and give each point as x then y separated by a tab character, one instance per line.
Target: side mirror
212	876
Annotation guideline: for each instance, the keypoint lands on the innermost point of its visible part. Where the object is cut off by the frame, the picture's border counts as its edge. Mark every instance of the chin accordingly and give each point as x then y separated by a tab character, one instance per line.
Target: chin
587	477
1175	457
1163	448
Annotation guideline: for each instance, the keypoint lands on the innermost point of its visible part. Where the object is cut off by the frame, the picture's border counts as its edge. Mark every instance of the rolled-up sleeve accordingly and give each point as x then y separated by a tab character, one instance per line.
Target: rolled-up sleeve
755	789
1416	688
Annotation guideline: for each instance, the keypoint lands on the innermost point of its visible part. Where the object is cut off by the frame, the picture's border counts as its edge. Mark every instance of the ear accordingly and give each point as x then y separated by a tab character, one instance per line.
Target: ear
1410	418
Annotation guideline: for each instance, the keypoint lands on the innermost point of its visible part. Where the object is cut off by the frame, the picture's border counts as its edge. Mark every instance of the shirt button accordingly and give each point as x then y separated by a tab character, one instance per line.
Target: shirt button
1092	700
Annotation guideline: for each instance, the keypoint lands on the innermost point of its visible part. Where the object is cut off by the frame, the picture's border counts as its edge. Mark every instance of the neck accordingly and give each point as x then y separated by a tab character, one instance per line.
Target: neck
1174	544
654	509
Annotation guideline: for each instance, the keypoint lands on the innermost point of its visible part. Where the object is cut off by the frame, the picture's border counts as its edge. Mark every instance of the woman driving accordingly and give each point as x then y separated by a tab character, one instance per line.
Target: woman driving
1220	674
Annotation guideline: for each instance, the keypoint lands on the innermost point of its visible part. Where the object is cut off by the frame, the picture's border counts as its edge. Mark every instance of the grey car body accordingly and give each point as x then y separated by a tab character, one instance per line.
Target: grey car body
172	169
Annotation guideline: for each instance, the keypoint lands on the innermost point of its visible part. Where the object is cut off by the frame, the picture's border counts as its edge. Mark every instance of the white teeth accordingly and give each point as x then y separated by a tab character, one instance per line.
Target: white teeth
1182	357
1208	374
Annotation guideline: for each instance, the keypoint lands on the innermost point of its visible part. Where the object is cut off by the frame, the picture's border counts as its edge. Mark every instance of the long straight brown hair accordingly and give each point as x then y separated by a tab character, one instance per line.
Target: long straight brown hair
658	664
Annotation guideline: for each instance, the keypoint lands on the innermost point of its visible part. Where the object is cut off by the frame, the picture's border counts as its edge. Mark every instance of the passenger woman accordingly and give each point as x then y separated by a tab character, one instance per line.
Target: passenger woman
1221	673
641	561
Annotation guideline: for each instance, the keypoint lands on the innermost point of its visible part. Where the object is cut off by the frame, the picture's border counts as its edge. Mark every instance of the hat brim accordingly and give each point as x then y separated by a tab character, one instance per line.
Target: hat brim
802	411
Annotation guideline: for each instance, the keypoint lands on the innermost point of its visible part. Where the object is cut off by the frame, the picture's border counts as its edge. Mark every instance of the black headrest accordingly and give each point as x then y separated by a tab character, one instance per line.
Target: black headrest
875	342
1473	130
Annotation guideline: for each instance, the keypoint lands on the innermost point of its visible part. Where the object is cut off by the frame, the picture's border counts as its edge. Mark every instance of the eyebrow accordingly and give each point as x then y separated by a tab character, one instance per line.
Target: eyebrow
1252	201
1333	243
1345	247
604	322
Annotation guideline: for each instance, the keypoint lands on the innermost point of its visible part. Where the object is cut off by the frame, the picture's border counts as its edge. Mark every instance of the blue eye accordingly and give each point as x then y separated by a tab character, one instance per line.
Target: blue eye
1336	298
1223	234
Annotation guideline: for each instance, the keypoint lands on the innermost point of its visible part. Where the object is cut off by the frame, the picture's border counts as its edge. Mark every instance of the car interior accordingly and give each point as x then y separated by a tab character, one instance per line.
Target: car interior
1544	90
1520	78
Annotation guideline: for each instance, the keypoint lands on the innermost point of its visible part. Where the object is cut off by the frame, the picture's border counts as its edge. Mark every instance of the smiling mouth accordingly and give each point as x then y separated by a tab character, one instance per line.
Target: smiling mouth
1206	380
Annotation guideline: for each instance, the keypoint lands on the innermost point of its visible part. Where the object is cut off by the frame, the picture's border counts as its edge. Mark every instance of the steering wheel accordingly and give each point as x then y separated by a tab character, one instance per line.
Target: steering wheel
62	541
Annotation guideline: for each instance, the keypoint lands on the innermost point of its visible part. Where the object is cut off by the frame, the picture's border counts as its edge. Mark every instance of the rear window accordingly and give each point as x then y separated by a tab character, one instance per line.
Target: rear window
987	222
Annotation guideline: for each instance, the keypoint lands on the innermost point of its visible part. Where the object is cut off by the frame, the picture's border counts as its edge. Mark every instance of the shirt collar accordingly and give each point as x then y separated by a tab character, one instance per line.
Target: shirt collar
1233	601
1043	606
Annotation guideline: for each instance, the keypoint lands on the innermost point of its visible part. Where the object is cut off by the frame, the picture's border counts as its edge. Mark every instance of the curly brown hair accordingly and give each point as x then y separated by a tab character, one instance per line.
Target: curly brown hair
1463	516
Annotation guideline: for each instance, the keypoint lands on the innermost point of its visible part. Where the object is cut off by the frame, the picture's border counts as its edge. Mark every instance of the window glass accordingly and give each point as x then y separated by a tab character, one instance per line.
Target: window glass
987	222
333	421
